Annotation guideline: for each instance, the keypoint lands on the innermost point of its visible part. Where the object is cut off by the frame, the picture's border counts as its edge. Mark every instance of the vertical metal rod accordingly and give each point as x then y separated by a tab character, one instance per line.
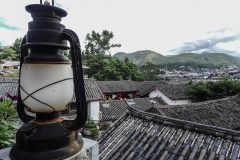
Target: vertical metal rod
52	2
40	1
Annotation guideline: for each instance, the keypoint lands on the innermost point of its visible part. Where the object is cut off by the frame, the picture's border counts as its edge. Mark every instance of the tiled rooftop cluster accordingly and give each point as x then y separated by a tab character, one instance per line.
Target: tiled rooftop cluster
113	109
140	135
222	112
142	88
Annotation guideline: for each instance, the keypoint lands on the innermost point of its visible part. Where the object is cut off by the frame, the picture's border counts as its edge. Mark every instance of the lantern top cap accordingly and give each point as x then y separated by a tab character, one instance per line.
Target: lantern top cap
40	10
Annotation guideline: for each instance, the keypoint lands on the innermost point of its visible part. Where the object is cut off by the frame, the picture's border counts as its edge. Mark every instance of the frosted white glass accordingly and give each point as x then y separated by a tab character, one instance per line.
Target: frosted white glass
36	76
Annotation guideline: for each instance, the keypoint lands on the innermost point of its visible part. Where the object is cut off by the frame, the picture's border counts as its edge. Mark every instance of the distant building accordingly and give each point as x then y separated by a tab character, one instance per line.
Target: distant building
170	93
118	89
11	65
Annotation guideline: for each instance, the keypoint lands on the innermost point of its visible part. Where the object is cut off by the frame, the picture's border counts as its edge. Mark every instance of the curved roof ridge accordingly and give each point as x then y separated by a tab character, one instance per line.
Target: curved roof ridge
193	126
201	103
111	100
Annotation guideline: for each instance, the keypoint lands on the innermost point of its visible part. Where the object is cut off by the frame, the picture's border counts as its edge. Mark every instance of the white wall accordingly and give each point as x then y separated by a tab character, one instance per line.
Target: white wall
130	95
92	148
114	96
93	110
158	93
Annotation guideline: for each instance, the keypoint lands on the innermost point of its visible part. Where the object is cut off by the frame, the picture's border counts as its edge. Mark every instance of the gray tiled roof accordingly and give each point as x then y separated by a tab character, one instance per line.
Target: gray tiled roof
145	86
142	104
173	90
8	79
113	109
8	88
222	112
117	86
140	135
92	90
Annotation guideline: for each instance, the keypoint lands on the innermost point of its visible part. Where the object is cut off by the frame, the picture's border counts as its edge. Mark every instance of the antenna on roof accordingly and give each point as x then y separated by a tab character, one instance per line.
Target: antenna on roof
40	1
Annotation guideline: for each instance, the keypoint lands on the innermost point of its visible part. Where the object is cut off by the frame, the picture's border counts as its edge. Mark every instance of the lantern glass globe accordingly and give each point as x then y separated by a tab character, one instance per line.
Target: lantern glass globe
46	88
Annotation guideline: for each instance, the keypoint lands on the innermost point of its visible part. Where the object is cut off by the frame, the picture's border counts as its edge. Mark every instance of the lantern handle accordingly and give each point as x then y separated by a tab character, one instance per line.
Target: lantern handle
20	105
79	88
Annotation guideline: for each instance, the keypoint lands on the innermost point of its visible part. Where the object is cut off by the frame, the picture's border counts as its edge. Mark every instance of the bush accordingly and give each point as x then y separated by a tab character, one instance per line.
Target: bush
8	124
210	90
92	126
94	132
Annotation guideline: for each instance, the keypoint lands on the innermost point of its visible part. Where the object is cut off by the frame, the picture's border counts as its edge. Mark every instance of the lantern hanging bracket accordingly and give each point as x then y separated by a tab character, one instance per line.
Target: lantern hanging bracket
78	80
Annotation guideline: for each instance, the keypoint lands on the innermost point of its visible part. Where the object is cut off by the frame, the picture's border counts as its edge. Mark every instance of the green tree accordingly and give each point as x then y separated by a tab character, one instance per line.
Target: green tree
94	54
95	63
150	71
17	46
210	90
11	53
200	91
8	53
110	68
103	66
99	43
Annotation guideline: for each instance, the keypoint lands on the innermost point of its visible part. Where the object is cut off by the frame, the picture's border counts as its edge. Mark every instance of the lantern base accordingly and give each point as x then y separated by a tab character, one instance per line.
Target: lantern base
38	140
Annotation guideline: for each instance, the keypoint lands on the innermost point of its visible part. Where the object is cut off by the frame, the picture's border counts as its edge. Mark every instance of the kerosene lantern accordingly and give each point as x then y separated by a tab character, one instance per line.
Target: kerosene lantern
47	82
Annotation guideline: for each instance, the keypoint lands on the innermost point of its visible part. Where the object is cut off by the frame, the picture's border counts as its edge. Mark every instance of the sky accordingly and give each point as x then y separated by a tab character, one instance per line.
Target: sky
164	26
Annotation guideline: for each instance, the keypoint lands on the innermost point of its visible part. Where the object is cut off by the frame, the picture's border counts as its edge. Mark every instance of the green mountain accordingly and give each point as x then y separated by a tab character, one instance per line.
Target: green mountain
141	57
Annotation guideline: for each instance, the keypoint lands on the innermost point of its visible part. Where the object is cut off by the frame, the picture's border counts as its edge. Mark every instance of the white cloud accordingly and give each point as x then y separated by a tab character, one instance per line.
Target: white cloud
159	25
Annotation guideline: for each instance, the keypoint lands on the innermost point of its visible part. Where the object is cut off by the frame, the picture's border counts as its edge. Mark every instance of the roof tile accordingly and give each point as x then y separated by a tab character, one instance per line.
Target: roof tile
141	135
222	112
